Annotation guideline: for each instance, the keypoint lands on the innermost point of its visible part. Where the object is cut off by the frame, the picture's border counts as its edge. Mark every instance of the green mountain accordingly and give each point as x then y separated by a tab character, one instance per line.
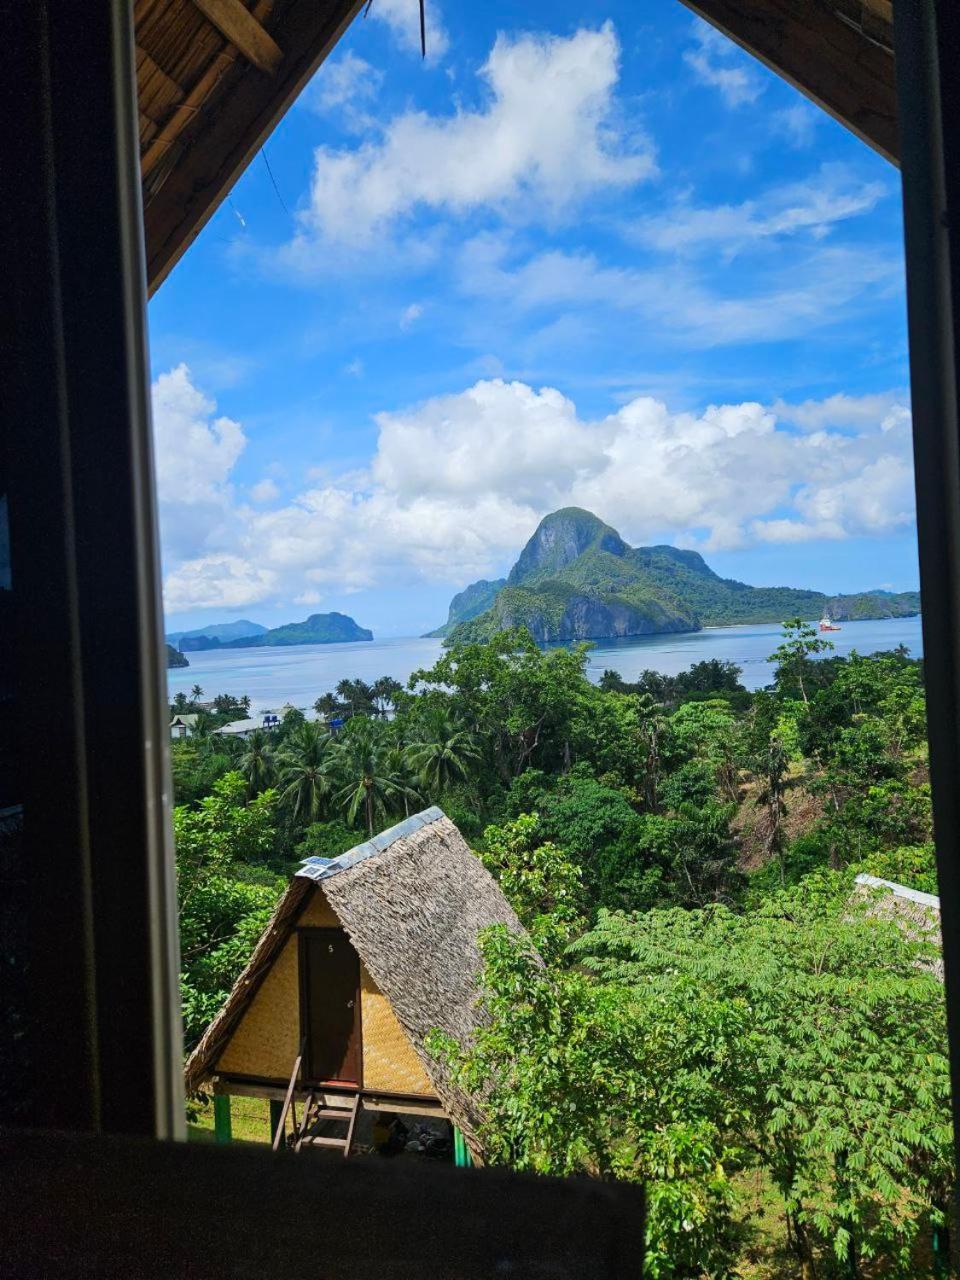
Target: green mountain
469	603
201	637
319	628
576	579
175	659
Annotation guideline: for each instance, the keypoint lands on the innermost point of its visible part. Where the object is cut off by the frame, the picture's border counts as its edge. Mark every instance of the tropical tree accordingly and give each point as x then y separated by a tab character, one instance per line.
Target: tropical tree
305	764
361	760
384	694
225	893
443	750
798	643
258	763
196	693
357	697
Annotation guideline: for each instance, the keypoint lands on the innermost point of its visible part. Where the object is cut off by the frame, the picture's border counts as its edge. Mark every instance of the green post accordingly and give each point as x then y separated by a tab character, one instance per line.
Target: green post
276	1111
461	1152
221	1117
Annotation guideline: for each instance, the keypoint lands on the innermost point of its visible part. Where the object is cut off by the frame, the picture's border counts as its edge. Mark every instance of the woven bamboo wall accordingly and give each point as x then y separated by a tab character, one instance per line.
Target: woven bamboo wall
267	1038
268	1035
390	1062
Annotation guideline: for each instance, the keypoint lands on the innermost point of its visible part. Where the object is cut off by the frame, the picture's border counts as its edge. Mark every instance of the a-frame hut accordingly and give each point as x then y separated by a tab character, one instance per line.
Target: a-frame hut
365	955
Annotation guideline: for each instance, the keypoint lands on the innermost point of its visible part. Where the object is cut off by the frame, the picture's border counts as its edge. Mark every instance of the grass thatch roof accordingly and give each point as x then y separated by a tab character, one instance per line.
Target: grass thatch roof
412	900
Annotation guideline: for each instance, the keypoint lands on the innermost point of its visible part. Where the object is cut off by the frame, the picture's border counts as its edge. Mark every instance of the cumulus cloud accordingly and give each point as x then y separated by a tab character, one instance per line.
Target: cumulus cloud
716	61
545	137
459	482
402	17
195	452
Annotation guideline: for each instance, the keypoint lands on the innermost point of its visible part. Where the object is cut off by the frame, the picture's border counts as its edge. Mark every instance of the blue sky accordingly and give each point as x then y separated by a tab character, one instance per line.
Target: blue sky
592	256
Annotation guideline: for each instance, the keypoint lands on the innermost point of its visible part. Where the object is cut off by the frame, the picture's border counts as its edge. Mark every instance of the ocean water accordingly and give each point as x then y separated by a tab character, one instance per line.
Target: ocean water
298	675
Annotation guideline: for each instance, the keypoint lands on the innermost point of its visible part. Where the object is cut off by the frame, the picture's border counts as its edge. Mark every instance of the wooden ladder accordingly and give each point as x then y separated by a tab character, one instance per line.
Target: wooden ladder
316	1111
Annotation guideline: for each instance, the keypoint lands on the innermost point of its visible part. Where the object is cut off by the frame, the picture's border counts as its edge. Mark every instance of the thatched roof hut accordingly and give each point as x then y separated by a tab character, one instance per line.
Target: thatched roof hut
365	955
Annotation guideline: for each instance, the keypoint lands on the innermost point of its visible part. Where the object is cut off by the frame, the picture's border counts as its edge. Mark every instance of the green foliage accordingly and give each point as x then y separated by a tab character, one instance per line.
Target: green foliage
443	750
912	865
799	643
304	771
327	839
837	1081
582	1077
763	1022
543	885
225	893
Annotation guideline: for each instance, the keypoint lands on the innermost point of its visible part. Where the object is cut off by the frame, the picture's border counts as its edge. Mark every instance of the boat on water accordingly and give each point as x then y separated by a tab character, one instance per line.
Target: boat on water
827	624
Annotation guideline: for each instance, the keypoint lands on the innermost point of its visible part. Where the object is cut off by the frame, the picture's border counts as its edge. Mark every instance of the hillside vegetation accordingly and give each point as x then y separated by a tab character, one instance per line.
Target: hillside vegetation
714	1006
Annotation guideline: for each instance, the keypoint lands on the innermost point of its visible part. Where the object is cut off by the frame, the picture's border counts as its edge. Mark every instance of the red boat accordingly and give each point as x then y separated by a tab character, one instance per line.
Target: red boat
827	625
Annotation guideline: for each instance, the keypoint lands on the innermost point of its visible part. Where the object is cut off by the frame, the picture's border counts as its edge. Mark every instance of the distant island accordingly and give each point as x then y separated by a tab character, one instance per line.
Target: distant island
175	659
319	628
576	579
186	641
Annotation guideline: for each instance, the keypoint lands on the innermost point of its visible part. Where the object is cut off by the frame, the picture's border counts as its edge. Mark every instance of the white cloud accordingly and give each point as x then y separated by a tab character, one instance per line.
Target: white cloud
719	63
887	408
403	19
410	315
810	290
354	368
265	490
209	582
459	482
545	138
814	206
796	123
195	452
343	85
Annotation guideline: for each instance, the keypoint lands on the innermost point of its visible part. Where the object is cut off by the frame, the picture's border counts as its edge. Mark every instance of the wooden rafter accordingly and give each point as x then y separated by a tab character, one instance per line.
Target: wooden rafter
237	24
806	43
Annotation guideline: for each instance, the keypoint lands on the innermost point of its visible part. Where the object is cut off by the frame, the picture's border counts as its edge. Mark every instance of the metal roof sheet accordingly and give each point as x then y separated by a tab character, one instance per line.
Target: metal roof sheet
323	868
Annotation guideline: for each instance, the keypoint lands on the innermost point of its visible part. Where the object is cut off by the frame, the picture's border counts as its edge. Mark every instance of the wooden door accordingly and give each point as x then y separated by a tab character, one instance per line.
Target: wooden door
330	1005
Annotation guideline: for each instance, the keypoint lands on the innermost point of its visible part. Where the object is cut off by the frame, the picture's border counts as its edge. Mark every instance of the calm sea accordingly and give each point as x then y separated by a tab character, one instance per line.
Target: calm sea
299	675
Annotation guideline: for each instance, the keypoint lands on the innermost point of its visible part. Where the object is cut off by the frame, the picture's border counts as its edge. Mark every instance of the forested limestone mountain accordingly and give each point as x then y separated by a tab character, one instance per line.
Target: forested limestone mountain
469	603
576	579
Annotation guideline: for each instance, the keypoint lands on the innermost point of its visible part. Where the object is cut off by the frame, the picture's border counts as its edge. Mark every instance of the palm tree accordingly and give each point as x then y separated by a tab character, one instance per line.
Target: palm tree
362	761
196	693
404	777
443	752
258	763
384	693
305	764
357	695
